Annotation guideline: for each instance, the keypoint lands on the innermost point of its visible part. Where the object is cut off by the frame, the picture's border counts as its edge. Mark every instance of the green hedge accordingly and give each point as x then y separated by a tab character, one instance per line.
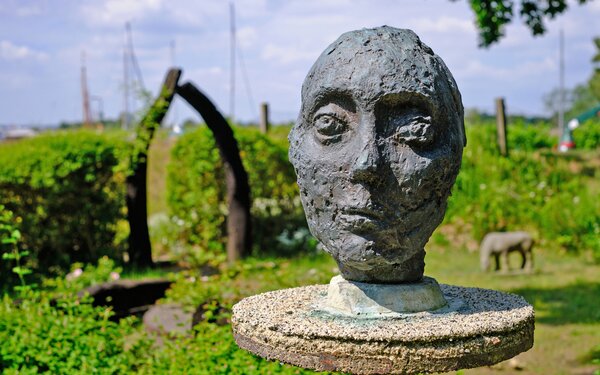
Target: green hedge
196	193
529	137
7	236
66	191
587	136
541	191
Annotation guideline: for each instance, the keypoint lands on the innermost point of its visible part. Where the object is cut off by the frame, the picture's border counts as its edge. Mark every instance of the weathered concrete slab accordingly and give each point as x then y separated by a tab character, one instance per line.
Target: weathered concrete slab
479	327
168	319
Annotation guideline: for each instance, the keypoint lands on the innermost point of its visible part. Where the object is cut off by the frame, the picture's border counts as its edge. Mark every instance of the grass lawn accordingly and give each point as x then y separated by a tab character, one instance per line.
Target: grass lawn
565	292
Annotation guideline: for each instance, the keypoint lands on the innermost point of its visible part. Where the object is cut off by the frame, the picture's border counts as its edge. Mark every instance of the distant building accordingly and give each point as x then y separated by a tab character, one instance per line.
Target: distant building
12	134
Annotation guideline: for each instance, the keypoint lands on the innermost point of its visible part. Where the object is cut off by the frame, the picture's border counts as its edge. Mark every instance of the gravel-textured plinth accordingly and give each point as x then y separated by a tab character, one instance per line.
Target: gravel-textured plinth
478	327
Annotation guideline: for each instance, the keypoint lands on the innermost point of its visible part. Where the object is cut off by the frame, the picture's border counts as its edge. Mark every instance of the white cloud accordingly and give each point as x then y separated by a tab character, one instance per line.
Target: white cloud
286	54
594	6
444	24
15	81
28	10
119	11
479	70
182	12
10	51
247	36
206	74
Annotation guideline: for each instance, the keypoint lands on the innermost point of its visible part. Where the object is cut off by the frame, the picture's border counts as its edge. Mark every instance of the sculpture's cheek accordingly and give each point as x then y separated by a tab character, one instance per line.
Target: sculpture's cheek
418	175
317	191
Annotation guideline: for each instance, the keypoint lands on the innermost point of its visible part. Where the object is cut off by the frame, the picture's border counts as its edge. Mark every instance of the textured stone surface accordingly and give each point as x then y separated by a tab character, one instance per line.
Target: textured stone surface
366	300
480	327
168	319
377	147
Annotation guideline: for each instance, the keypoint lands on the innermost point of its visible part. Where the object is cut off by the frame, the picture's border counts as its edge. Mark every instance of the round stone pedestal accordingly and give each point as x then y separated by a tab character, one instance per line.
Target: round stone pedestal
476	327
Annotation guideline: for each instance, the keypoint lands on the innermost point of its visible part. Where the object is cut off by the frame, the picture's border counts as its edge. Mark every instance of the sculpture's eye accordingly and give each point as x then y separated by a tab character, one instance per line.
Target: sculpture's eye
331	122
410	125
329	127
415	130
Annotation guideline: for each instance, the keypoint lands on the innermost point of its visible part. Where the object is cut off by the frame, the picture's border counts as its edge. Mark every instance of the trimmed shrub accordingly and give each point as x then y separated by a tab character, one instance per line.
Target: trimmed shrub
529	137
587	136
66	191
539	191
196	193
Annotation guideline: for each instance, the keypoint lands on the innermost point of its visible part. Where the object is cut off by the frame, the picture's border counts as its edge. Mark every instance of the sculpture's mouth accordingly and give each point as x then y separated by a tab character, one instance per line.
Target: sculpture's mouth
376	218
366	212
362	219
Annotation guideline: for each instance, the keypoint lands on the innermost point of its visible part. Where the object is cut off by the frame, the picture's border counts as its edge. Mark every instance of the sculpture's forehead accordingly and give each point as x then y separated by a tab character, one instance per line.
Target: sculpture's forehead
366	72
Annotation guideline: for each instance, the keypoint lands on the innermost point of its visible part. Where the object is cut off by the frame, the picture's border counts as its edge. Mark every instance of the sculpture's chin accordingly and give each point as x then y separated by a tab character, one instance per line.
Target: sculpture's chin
410	270
377	260
375	248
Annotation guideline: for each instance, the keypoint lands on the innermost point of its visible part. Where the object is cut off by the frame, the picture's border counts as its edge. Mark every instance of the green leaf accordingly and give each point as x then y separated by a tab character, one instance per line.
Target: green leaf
21	270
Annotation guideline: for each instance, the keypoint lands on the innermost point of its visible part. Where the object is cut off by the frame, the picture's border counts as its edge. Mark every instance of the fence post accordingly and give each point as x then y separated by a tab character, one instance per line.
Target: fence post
264	118
501	127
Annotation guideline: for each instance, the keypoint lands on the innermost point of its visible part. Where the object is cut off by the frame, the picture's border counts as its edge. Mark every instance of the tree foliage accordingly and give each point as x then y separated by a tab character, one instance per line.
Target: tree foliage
491	16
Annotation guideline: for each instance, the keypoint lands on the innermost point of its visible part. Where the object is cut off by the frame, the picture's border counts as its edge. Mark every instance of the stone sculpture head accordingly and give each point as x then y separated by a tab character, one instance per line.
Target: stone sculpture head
377	147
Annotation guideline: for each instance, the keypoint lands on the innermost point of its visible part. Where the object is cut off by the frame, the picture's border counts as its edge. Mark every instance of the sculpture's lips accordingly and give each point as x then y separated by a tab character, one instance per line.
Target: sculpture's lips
366	212
375	217
362	219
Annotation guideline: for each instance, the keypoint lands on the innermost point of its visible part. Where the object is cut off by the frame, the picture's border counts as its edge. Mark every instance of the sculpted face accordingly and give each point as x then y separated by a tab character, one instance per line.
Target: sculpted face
376	148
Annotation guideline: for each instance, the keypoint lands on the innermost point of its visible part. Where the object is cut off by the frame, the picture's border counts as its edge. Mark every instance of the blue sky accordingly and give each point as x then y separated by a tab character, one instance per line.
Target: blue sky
41	44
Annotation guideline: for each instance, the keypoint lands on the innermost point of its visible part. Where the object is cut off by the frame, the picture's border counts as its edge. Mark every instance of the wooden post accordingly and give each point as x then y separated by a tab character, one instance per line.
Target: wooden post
501	127
239	231
264	118
140	250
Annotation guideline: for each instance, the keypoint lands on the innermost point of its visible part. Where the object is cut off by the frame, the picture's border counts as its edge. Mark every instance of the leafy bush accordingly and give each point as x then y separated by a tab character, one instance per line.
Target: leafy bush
6	230
539	191
53	331
9	238
196	191
66	191
587	136
529	137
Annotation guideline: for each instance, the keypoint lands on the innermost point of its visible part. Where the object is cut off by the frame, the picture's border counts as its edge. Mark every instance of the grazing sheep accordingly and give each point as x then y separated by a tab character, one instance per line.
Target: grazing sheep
499	244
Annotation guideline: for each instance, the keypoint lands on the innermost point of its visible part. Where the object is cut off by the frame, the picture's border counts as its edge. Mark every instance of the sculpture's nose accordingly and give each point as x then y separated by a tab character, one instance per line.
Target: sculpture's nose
366	165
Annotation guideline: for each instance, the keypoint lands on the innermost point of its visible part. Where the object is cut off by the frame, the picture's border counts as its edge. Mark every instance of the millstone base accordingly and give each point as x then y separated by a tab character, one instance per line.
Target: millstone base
478	327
